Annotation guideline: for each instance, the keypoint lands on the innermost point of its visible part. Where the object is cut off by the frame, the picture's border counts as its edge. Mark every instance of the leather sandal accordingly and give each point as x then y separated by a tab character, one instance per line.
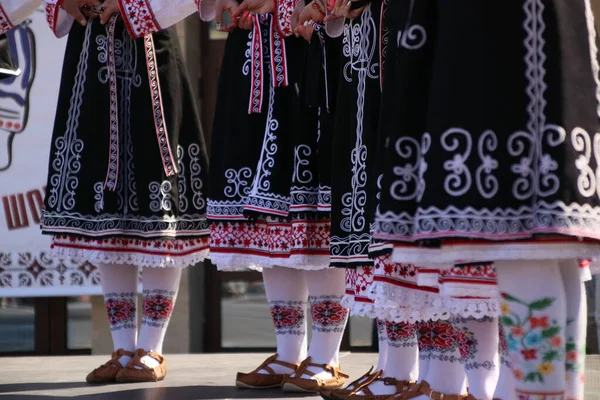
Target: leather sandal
367	394
417	389
297	384
256	380
136	371
338	394
107	372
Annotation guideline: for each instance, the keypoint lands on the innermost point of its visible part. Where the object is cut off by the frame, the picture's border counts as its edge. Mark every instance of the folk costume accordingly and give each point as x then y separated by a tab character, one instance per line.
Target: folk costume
127	171
269	200
490	168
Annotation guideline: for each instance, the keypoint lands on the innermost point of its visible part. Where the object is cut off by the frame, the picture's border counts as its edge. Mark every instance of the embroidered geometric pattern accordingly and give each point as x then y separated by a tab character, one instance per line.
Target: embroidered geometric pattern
158	307
5	24
328	314
138	17
270	241
141	252
283	15
401	334
121	310
288	317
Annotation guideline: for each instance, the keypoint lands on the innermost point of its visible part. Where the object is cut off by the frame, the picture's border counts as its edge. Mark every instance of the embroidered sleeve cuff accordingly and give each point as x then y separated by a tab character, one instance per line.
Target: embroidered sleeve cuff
59	20
5	23
283	16
143	17
13	12
206	9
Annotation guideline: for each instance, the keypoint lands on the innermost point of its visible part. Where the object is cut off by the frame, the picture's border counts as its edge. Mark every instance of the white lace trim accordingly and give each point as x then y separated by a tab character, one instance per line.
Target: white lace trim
241	262
400	304
130	257
359	308
466	290
472	308
449	255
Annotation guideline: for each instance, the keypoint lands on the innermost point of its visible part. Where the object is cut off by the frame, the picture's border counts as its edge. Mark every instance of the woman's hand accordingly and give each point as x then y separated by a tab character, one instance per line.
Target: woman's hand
312	14
231	7
256	7
345	9
74	8
111	7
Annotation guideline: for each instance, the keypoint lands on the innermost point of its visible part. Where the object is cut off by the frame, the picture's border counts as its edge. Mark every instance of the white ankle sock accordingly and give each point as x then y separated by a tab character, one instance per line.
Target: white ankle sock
326	288
382	338
478	341
402	357
287	293
576	329
119	285
534	320
160	292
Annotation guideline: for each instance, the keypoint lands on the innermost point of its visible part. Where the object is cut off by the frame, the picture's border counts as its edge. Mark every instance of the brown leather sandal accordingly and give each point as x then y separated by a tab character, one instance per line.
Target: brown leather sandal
297	384
107	372
255	380
417	389
136	371
367	394
338	394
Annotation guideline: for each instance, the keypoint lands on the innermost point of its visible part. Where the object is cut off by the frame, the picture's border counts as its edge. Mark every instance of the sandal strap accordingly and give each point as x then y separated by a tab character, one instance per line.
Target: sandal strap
423	387
137	359
363	382
273	360
114	358
303	369
400	384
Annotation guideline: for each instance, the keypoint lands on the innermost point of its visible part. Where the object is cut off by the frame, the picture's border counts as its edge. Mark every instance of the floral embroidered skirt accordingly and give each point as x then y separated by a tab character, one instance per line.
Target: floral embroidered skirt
491	132
269	200
127	169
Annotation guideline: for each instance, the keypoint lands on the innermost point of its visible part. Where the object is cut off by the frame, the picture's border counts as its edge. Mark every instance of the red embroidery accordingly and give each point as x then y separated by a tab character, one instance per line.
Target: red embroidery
161	247
112	175
483	274
256	71
120	310
52	10
138	17
442	336
270	238
328	314
157	108
5	24
283	16
158	307
467	345
286	317
398	333
424	335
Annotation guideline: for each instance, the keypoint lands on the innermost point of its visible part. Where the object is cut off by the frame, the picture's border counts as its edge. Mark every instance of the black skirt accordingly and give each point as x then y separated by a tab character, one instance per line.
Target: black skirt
127	170
490	116
269	198
355	139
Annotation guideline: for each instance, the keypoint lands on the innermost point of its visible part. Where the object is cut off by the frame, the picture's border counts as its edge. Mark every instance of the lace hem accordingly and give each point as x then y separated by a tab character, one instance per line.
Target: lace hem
406	305
131	257
472	308
448	290
449	255
360	308
242	262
